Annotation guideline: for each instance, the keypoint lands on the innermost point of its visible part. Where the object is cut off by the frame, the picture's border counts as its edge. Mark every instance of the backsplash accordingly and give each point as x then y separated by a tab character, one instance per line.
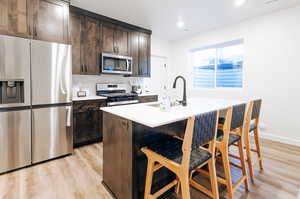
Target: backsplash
88	82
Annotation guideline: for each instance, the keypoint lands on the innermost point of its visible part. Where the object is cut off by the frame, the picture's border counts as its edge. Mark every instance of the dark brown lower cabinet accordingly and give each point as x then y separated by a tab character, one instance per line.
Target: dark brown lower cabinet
87	120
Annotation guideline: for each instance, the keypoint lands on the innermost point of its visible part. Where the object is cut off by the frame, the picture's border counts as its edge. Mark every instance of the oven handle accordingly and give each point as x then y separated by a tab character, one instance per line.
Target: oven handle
127	64
122	102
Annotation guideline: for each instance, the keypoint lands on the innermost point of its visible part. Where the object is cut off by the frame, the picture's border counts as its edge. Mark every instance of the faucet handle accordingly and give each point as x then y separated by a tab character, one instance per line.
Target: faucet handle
179	101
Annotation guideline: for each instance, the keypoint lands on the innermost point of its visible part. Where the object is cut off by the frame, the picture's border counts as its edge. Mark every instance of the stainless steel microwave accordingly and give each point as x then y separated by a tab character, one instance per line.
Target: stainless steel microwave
116	64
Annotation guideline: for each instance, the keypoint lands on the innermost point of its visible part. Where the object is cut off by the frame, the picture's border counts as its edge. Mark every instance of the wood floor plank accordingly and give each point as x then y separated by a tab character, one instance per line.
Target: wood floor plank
79	177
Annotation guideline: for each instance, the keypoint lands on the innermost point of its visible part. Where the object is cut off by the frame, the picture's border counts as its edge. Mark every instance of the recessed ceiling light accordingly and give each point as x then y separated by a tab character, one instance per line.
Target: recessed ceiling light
180	24
239	3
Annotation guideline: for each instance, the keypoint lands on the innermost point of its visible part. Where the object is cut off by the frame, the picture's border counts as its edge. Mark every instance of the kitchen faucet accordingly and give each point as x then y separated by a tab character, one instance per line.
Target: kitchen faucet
183	102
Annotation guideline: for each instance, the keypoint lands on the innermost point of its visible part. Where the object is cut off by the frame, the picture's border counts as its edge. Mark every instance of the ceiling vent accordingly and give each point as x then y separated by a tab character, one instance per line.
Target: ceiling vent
271	1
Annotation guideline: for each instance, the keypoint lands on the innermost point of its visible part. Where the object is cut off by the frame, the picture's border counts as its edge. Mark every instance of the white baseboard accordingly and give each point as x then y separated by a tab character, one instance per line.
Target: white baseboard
281	139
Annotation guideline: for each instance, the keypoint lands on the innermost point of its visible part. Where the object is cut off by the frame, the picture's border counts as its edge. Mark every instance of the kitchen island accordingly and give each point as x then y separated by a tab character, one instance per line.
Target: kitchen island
126	129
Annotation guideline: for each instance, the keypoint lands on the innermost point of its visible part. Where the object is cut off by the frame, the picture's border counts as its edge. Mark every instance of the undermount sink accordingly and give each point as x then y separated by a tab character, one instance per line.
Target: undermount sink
158	105
154	105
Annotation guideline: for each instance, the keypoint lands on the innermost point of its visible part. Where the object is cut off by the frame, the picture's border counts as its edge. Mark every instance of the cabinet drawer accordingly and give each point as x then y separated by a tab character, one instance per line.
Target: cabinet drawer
150	98
88	106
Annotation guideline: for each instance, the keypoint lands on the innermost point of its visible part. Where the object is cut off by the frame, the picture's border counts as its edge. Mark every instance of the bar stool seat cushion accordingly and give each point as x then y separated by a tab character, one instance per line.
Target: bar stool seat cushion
233	138
171	148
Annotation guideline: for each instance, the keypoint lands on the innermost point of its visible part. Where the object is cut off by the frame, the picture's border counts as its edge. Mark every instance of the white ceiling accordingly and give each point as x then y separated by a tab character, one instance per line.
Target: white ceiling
161	16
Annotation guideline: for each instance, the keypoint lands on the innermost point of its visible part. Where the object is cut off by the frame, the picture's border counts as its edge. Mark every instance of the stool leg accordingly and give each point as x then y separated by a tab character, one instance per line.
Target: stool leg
177	188
257	143
213	177
249	159
149	179
185	185
242	159
226	165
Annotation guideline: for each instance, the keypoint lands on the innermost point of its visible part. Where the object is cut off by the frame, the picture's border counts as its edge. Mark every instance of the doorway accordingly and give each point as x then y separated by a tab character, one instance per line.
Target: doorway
159	76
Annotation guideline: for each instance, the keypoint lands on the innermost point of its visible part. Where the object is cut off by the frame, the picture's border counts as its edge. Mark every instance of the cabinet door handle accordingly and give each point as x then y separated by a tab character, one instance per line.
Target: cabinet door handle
124	123
85	68
35	32
68	116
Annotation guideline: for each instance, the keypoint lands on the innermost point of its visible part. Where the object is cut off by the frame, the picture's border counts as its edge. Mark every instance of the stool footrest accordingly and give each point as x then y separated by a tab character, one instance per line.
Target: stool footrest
235	165
165	188
201	188
238	184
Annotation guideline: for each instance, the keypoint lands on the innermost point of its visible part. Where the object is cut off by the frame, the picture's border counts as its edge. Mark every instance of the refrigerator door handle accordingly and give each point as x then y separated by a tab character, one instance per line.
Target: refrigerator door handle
68	115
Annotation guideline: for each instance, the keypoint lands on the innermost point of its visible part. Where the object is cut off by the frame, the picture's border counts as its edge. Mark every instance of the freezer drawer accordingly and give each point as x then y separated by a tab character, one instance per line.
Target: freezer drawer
15	139
51	73
52	134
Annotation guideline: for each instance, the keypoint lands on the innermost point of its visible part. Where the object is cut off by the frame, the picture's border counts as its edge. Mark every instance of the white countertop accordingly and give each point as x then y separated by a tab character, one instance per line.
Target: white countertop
154	117
88	98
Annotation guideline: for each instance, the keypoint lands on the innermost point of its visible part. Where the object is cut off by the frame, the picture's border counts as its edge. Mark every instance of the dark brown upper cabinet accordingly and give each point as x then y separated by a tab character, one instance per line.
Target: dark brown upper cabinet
92	34
50	20
115	39
14	18
84	36
108	45
141	54
90	46
76	28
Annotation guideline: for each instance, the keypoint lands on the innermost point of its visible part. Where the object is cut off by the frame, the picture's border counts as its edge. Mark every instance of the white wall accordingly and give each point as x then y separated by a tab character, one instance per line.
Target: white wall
159	47
160	54
271	68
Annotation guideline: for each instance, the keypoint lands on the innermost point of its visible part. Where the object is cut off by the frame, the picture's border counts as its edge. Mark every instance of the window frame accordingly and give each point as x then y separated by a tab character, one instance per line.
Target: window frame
217	46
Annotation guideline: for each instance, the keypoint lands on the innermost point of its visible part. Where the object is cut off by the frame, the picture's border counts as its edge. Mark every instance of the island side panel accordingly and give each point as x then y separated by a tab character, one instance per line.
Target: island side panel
117	156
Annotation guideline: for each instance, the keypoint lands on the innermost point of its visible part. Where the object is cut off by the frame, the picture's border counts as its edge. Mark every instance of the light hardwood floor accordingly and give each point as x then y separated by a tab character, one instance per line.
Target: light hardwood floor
79	177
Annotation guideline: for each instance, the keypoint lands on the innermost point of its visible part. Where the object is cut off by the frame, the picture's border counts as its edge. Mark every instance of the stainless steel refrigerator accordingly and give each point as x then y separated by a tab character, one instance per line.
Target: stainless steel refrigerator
35	102
15	103
51	83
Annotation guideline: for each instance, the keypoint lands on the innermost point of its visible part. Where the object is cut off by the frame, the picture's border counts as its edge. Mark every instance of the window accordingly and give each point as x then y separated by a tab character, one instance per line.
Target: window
218	66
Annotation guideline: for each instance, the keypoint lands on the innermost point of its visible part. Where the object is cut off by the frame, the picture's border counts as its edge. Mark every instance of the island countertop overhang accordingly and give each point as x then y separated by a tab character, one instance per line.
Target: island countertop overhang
151	116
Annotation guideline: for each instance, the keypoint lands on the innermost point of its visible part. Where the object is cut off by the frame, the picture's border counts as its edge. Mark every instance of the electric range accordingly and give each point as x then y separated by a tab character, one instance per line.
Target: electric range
116	94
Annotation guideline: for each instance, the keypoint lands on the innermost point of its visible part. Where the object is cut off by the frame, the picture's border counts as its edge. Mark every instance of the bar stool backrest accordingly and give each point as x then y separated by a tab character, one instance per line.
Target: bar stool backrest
200	130
238	116
226	127
256	109
204	129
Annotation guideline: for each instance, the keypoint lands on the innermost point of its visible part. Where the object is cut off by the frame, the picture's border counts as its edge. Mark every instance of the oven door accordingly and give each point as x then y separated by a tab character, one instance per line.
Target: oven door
114	64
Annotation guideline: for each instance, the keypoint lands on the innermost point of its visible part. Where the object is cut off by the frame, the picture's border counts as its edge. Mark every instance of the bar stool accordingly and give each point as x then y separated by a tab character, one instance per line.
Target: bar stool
230	133
182	157
200	170
251	126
